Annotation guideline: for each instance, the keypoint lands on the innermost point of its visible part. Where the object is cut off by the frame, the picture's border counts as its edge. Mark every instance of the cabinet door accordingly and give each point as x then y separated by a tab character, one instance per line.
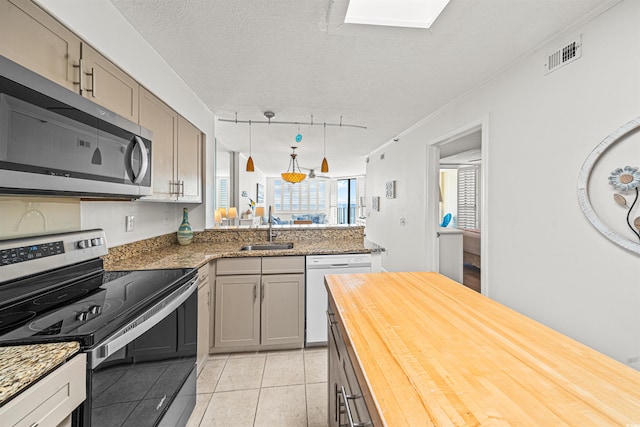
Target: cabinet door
49	401
156	116
189	161
35	40
203	317
283	309
237	311
108	85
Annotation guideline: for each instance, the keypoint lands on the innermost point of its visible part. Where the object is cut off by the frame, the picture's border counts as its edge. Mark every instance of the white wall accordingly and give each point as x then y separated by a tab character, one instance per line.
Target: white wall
247	181
544	259
101	25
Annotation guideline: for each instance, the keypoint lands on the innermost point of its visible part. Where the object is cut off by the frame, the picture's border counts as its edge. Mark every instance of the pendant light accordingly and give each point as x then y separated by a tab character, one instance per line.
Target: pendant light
250	167
291	175
325	165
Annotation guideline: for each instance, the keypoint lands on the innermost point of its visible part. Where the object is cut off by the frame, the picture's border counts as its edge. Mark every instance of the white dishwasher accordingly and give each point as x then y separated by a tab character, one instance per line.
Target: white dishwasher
317	267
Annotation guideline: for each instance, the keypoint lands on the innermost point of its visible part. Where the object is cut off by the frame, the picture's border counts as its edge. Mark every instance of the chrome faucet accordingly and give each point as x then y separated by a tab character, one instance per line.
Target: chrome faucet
272	234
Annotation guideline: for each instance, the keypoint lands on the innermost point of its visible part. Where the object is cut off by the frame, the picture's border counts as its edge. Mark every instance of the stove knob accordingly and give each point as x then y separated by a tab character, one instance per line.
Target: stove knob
95	309
82	316
97	241
84	244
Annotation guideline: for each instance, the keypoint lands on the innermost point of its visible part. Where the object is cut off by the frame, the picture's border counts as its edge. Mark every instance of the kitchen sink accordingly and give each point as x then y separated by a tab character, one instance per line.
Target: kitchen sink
267	247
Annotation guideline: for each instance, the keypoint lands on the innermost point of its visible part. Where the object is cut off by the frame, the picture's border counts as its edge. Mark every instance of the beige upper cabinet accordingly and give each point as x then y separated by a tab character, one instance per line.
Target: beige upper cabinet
176	150
189	162
156	116
35	40
107	85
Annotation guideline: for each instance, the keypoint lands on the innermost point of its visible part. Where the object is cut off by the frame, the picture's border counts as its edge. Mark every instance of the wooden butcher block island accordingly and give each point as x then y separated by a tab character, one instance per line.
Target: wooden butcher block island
425	350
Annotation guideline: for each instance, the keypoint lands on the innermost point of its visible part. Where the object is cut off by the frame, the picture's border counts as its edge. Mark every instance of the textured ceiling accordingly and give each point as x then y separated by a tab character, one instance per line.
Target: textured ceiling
295	58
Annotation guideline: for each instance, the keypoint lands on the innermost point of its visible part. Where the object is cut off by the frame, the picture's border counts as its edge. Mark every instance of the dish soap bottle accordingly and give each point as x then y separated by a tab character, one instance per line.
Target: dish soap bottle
185	233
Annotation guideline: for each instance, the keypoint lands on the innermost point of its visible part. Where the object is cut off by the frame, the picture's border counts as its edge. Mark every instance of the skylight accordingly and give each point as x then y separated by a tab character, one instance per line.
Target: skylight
395	13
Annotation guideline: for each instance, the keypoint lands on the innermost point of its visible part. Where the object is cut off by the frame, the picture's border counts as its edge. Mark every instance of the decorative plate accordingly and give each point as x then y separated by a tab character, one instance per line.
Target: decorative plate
624	180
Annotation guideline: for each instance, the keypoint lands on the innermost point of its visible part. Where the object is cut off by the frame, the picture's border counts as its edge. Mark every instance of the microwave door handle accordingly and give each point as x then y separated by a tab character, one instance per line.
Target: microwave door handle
145	161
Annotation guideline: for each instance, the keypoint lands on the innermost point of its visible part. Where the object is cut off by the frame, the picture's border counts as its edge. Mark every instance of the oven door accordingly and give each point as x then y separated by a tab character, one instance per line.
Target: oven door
144	374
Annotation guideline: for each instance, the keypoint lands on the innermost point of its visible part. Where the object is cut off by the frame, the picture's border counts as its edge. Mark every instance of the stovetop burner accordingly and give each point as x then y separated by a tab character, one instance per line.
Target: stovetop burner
13	319
63	295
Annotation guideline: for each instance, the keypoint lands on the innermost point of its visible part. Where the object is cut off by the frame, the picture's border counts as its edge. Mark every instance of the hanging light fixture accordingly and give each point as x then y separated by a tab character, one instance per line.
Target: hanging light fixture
291	175
250	167
325	165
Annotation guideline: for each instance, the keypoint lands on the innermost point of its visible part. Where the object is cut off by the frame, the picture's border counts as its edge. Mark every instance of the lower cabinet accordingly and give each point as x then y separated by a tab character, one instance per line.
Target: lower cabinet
346	402
50	401
259	311
237	320
282	319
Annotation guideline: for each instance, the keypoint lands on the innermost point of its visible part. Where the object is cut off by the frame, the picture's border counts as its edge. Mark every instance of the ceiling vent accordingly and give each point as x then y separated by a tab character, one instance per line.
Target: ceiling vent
565	55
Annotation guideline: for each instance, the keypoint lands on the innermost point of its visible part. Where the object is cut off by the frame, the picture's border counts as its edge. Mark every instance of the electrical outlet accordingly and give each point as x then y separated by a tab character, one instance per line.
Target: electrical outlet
403	222
165	218
129	221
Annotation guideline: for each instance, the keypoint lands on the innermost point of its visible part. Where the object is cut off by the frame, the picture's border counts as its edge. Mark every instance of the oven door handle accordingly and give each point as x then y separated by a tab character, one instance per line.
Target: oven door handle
142	323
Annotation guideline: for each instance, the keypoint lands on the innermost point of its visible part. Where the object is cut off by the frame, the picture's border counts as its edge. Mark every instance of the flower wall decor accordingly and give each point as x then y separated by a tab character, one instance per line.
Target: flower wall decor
624	180
627	180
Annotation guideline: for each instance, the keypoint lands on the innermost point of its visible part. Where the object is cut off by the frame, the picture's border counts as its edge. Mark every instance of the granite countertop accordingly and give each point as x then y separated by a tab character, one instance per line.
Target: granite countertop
22	365
198	254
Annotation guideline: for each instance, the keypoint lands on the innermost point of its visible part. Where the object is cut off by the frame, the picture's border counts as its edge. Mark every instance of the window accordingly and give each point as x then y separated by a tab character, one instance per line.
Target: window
222	193
395	13
468	197
459	190
307	196
347	201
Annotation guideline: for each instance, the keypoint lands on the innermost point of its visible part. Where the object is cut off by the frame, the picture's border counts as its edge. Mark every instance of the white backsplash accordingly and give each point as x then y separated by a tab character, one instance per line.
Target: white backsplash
151	219
23	216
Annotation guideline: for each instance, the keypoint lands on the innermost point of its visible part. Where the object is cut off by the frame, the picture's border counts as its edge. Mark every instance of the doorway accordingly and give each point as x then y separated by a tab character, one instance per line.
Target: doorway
456	190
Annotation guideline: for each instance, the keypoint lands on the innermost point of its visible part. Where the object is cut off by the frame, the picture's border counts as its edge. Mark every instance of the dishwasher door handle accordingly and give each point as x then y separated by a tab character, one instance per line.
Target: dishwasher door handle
339	265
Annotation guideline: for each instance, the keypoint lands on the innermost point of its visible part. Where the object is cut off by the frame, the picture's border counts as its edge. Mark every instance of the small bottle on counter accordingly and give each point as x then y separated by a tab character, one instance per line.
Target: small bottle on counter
185	232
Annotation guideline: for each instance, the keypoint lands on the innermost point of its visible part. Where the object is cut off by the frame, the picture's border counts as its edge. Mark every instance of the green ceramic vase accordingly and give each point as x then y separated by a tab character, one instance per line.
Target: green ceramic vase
185	233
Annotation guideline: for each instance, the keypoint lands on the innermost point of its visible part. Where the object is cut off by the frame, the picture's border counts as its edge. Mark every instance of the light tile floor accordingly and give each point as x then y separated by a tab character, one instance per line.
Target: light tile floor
278	388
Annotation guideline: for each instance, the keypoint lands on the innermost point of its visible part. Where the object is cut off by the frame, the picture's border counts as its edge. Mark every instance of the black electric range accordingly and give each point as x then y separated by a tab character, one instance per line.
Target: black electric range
54	289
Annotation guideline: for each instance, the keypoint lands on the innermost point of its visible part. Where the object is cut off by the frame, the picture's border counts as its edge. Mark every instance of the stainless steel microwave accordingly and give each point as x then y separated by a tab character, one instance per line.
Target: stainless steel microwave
55	142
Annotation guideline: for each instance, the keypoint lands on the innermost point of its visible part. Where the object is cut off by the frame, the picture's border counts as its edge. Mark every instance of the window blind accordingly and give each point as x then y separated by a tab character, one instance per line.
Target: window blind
468	197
